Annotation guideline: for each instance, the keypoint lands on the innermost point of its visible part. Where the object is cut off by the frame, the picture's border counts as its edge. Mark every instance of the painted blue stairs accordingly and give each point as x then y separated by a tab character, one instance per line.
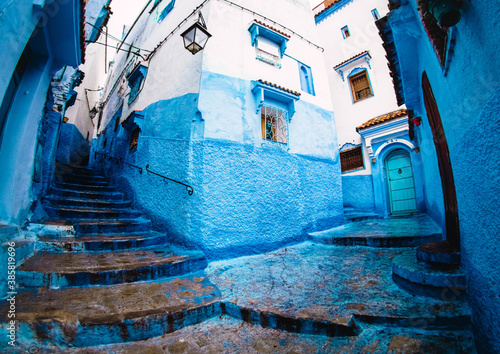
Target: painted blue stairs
110	279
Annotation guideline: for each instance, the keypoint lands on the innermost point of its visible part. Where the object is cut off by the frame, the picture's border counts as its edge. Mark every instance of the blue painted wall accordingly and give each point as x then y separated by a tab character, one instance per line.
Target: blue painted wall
249	197
358	192
73	148
468	101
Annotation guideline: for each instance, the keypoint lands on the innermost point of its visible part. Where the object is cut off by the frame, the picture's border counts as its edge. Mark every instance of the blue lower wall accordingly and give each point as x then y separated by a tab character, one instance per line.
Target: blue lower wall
247	198
477	181
358	192
73	147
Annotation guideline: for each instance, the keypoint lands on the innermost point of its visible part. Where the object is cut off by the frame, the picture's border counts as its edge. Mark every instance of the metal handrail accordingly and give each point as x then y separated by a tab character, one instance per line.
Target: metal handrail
117	160
130	165
189	189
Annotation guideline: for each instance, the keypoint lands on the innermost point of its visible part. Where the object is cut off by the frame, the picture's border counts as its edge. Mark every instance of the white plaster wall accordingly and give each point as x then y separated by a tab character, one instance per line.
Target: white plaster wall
364	36
230	51
229	54
173	71
79	113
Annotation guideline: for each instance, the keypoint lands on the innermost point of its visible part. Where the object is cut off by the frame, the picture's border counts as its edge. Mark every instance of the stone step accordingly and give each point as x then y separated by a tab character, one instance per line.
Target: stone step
360	216
79	317
105	242
86	194
84	187
76	178
333	327
59	270
101	181
86	227
411	269
55	201
394	232
90	213
439	253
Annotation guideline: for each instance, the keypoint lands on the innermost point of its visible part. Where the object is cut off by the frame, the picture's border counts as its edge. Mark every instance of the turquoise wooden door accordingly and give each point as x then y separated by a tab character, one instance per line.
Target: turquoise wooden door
401	186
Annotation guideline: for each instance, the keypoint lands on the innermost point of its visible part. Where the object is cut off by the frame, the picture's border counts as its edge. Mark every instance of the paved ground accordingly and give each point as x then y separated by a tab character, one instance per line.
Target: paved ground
227	335
347	293
394	232
327	282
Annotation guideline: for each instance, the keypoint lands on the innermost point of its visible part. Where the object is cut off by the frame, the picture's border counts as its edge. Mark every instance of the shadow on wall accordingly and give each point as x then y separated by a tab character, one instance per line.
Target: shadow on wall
73	148
478	198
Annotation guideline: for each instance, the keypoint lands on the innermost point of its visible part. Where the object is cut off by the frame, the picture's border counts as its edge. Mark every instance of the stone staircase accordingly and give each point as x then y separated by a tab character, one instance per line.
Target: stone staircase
107	277
351	214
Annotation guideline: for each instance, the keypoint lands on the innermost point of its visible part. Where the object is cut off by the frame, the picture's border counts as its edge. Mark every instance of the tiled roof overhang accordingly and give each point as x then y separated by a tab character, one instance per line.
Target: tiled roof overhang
383	118
385	33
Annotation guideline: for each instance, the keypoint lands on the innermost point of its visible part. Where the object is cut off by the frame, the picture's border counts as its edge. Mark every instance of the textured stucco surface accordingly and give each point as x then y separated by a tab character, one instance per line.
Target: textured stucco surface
467	98
478	199
248	198
358	192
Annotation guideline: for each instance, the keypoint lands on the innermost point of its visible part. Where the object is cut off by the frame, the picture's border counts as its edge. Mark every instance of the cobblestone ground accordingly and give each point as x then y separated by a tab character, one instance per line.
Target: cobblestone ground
227	335
320	283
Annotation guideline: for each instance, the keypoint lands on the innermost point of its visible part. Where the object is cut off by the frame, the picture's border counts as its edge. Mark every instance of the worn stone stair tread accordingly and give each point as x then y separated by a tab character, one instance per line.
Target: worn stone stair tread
115	314
101	195
439	252
105	242
81	213
60	270
304	323
394	232
79	186
410	268
56	201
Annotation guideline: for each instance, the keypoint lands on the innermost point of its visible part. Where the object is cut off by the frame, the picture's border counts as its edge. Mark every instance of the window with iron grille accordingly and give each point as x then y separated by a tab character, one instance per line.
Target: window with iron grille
352	159
274	124
360	86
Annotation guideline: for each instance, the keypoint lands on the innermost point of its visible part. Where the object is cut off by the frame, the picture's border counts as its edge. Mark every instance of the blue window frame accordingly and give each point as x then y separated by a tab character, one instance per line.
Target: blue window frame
136	81
162	13
375	14
306	80
345	32
258	30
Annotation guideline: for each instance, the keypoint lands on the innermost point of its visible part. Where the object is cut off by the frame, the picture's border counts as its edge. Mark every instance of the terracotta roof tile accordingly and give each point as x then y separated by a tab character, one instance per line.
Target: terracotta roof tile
354	57
328	4
271	28
83	3
279	87
383	118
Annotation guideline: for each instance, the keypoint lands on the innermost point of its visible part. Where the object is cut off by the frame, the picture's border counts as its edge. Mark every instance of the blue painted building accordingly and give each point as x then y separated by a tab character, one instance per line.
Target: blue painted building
247	123
449	78
381	166
38	39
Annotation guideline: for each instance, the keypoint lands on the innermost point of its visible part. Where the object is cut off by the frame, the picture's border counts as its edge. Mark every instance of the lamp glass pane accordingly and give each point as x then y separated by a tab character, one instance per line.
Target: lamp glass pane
189	37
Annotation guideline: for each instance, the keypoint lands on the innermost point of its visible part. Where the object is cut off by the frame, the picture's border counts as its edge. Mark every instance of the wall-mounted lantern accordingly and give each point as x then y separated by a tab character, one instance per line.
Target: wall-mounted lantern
196	36
417	121
446	12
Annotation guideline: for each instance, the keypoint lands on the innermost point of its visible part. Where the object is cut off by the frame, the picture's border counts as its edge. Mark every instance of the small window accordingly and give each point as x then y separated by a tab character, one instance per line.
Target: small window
375	14
360	86
274	124
345	32
117	123
306	81
105	143
136	81
134	140
268	52
352	159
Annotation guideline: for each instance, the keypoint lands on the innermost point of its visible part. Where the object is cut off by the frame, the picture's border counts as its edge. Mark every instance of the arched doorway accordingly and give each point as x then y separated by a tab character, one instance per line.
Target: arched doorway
400	183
